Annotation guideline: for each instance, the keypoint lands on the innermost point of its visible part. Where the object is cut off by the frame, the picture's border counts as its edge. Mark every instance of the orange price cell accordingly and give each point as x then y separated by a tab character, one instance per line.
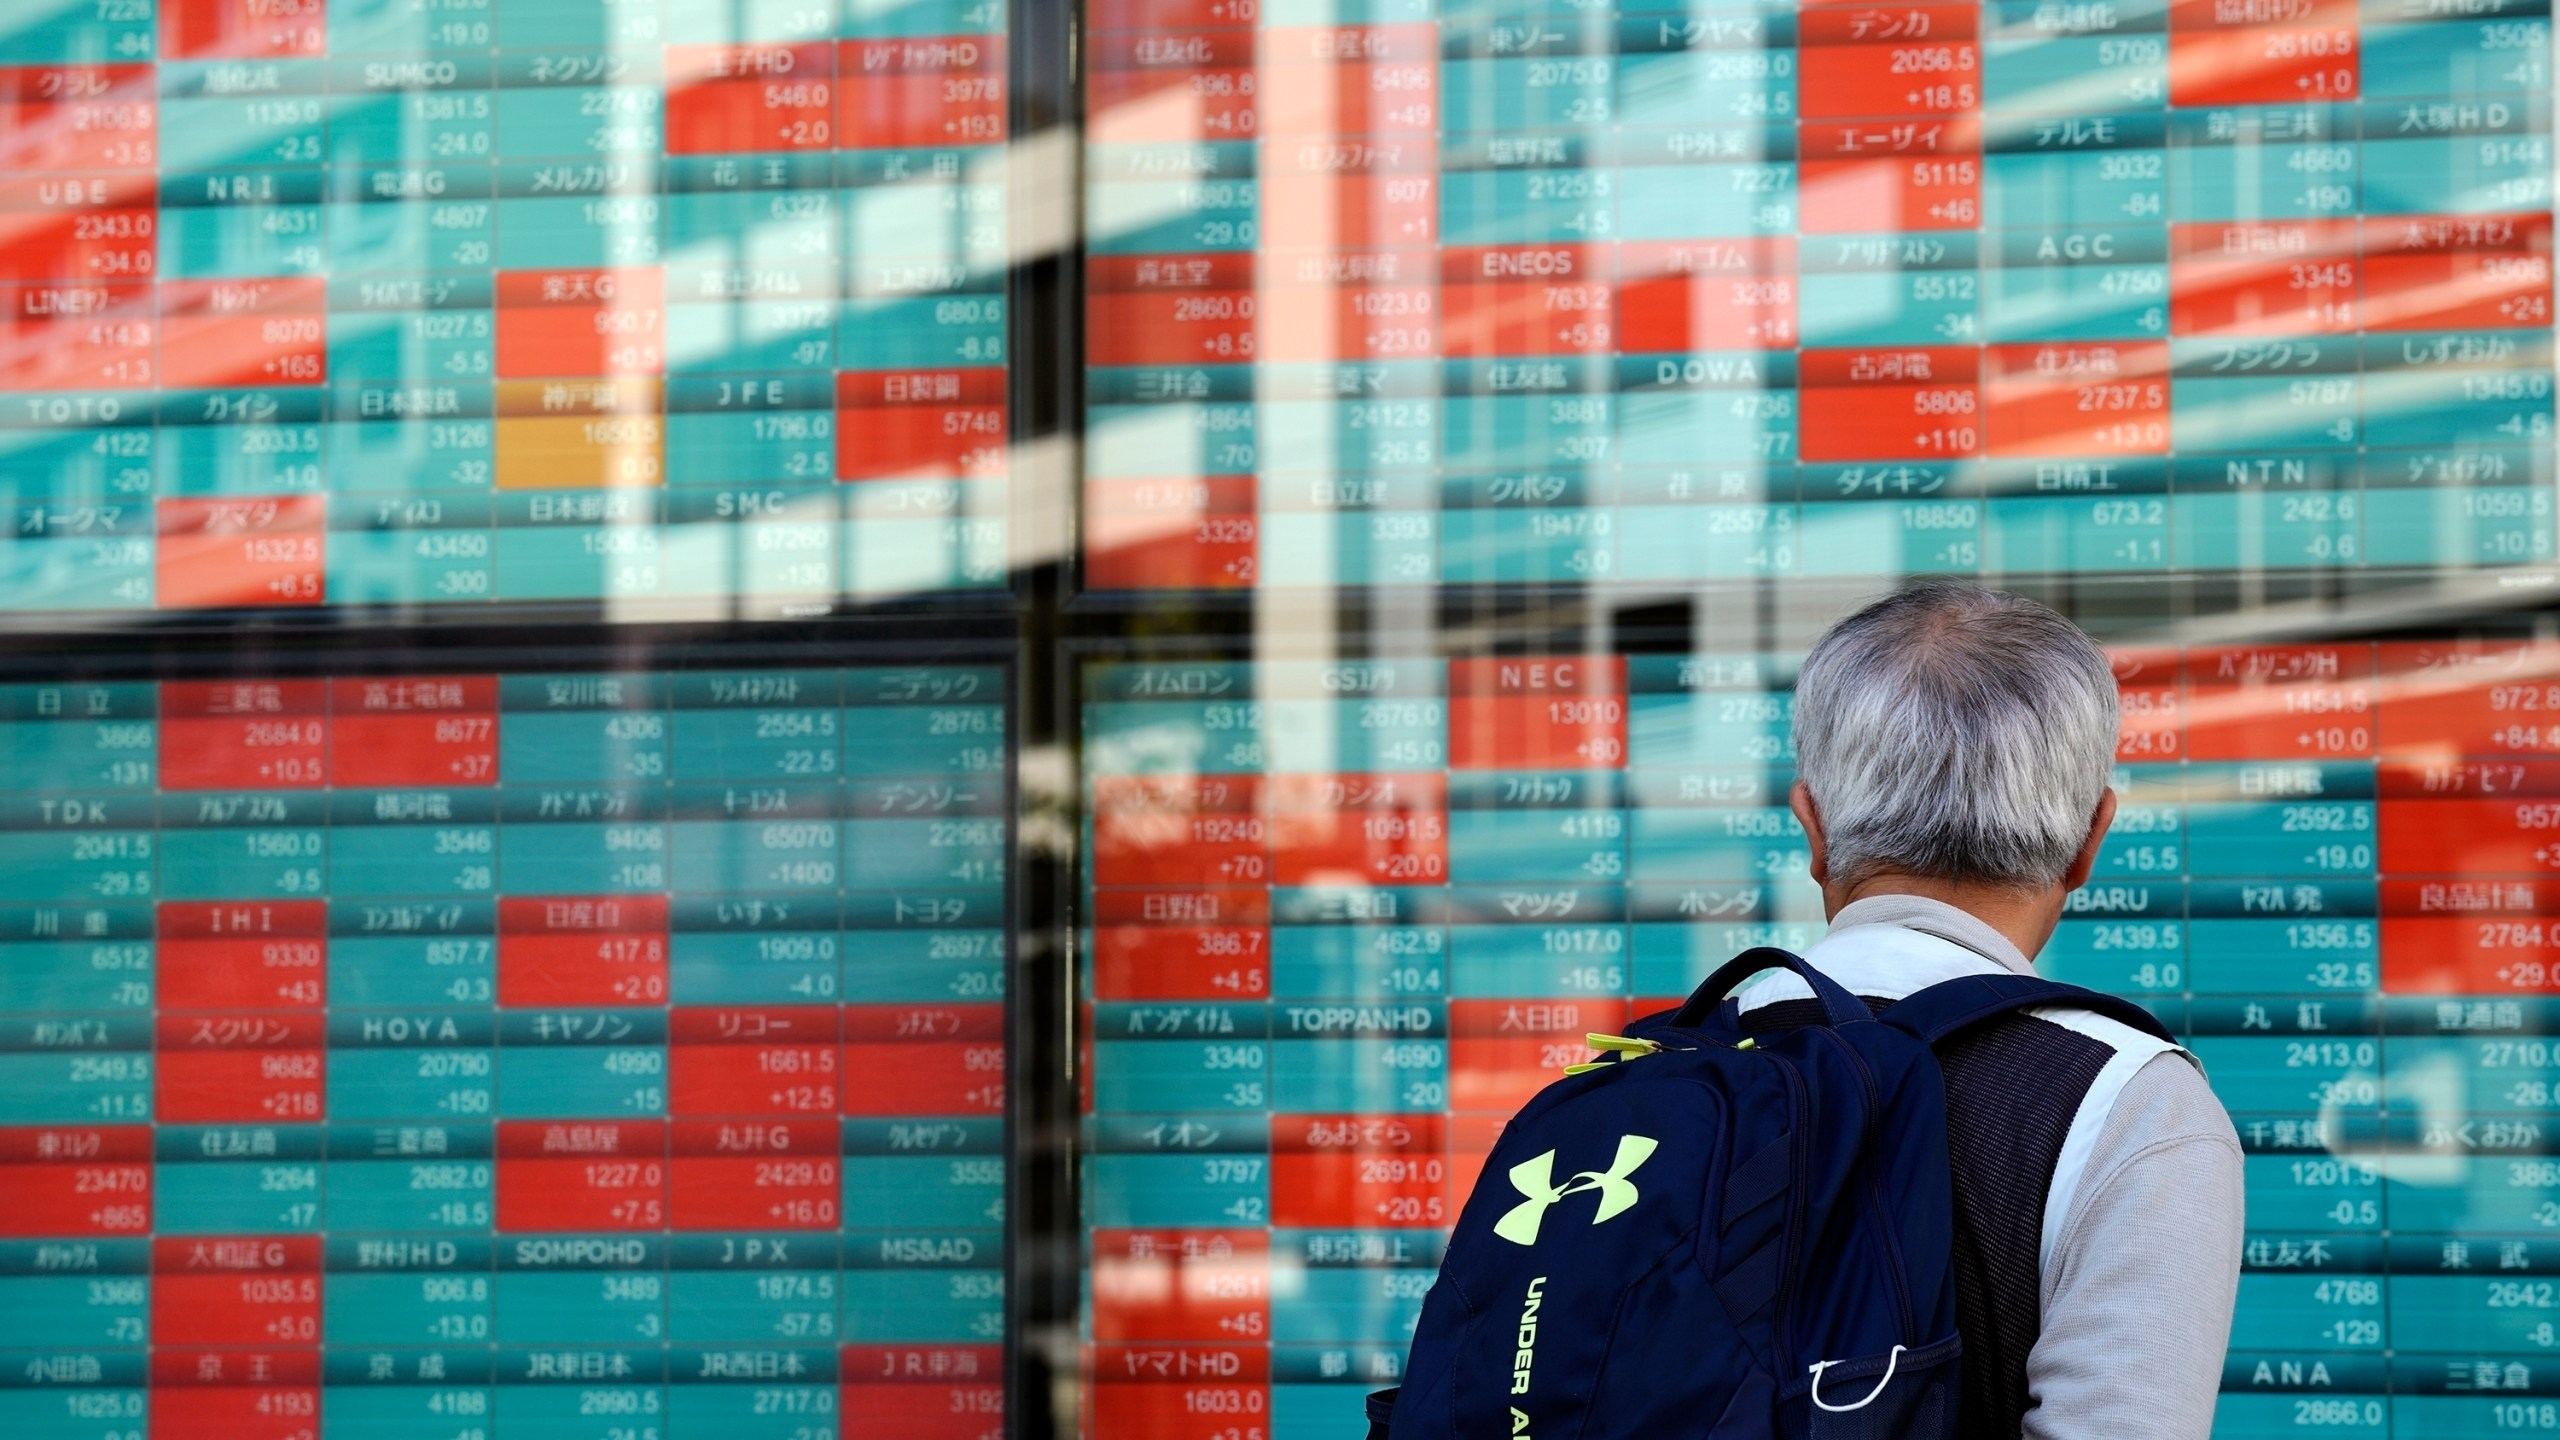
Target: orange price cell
78	118
2076	399
1889	404
255	552
1175	533
79	227
2252	278
1508	300
2456	272
1676	296
225	334
74	336
750	98
2264	65
1181	1284
926	91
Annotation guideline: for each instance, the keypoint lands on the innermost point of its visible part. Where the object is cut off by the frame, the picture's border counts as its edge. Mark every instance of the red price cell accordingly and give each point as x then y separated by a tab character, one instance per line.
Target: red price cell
1157	86
235	1290
1177	533
2251	278
228	554
1368	80
1181	1284
2514	835
1506	300
1860	178
1176	1392
1352	320
2447	699
428	731
743	99
2472	937
778	1061
96	227
2456	272
224	1069
2264	65
1208	830
78	117
249	955
1889	404
75	1181
1182	944
1501	1052
1683	295
2152	697
225	334
1195	310
924	1060
1360	1171
578	950
2279	702
755	1175
235	1394
920	424
2090	398
569	323
1348	212
1538	713
244	735
242	29
1359	829
922	92
1857	62
79	337
925	1392
582	1175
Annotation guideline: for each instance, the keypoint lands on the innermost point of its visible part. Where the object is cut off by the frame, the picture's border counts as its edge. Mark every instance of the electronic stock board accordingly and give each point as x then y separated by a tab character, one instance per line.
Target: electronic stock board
421	303
453	1055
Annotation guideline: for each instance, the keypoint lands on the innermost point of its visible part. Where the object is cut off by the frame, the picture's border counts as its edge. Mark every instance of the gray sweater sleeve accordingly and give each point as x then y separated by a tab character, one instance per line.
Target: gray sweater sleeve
2138	1294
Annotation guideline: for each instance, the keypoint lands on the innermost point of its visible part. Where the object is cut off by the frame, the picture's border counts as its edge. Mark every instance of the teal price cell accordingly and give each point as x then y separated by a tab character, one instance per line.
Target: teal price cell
563	111
445	1301
960	328
878	19
1354	548
2314	1310
1195	1076
960	850
370	565
2294	955
85	754
2263	181
54	976
2314	1192
1663	86
710	337
1716	193
585	1410
2247	518
2304	1073
2121	956
776	213
388	461
2266	415
924	964
2440	1193
1343	1304
1500	961
1360	1075
58	464
412	953
566	1081
2469	58
114	1404
426	1178
753	1302
1680	428
111	1080
939	1175
2061	534
437	1409
1525	206
1672	542
2457	174
457	858
1140	217
1675	958
2500	1313
243	864
605	1290
390	347
2077	301
796	737
1511	94
1529	432
2331	837
605	25
258	443
101	1299
2421	402
1391	435
2068	191
1888	307
1540	545
1177	439
242	115
110	862
2489	1075
583	859
1169	1170
1849	532
1358	962
609	229
1491	847
937	1288
453	123
2449	522
106	571
769	967
228	225
66	33
1709	728
399	237
768	451
751	1404
776	855
237	1182
1714	842
603	746
372	1082
1379	733
2075	74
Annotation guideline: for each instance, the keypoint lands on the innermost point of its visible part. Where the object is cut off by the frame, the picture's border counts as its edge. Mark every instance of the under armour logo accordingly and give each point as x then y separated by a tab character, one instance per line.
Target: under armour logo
1536	1179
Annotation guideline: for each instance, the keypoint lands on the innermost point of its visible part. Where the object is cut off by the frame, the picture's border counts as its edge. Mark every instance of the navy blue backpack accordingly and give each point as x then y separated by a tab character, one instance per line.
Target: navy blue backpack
1717	1236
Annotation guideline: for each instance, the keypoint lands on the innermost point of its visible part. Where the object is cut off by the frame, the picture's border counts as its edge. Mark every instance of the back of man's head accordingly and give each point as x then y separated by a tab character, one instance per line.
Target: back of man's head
1955	733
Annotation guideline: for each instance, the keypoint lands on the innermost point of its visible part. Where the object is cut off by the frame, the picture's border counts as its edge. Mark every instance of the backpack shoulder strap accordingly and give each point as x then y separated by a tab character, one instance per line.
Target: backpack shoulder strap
1954	1005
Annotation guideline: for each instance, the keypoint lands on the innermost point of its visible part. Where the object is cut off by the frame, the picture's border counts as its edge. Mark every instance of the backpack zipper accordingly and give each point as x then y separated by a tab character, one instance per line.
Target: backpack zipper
1795	1191
1876	1218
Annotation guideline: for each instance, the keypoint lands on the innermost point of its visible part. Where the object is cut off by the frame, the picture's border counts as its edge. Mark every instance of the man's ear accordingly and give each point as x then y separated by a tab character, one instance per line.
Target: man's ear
1817	853
2087	860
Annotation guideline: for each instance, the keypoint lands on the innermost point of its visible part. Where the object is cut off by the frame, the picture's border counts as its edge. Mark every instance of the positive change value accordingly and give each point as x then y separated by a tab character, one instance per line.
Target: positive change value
312	302
1345	918
503	1057
1396	292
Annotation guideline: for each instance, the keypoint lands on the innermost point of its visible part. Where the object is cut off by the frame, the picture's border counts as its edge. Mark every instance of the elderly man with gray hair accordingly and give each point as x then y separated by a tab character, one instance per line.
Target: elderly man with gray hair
1953	750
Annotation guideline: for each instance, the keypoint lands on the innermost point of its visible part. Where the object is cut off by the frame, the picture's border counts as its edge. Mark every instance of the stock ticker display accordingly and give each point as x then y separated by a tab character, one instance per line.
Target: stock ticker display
1344	918
445	302
1407	292
458	1056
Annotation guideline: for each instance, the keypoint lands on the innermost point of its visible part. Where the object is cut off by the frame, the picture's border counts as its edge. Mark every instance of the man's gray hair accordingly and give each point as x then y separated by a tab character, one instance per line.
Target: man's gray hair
1957	733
